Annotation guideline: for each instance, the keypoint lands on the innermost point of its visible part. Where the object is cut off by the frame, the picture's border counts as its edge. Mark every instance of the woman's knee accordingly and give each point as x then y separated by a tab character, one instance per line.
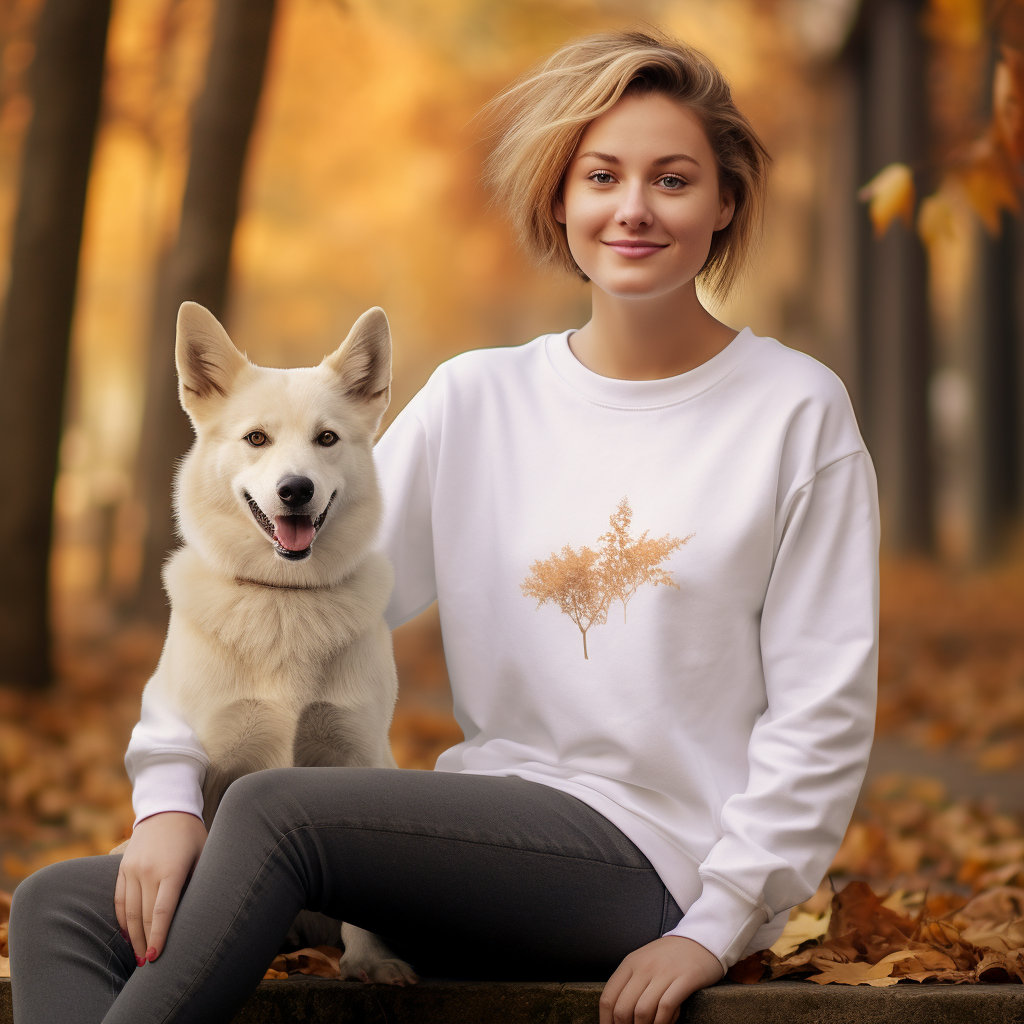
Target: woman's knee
270	798
59	887
277	801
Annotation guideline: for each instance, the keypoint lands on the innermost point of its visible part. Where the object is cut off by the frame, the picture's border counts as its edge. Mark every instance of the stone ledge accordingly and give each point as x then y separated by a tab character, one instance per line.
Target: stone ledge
316	1001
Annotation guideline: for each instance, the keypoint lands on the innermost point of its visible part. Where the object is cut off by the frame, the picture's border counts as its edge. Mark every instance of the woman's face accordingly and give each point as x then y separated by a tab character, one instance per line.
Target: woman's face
640	199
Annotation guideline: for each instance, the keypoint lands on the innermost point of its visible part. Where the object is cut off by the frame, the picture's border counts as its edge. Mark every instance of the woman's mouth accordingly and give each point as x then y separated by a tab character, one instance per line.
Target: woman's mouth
635	249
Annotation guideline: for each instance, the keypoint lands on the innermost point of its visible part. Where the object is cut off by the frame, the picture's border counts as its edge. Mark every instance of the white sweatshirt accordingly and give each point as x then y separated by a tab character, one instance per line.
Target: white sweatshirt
660	597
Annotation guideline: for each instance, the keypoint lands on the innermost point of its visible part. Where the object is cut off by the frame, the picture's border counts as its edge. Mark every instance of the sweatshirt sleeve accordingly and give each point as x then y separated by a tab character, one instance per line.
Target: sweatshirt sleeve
809	749
403	466
165	761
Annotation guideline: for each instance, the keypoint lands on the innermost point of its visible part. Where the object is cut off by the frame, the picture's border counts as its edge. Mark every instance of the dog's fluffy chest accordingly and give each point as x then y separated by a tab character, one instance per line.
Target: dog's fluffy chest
247	639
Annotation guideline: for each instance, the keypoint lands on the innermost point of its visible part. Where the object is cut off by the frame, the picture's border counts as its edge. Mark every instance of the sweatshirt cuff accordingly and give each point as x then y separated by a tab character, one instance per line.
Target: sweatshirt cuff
721	920
168	782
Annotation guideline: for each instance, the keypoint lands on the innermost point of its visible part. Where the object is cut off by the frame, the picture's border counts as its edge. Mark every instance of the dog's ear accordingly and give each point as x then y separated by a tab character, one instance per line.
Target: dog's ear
207	361
363	363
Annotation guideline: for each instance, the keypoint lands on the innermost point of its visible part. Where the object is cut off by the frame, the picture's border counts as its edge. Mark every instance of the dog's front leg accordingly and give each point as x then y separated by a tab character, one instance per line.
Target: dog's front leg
329	736
367	958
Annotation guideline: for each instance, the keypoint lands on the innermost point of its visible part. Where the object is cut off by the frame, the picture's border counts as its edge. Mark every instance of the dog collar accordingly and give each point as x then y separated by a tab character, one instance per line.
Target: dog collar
278	586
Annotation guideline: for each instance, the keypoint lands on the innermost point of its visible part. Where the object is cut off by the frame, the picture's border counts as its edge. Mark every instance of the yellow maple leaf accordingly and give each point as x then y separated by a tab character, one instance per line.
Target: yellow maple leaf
878	975
800	927
889	194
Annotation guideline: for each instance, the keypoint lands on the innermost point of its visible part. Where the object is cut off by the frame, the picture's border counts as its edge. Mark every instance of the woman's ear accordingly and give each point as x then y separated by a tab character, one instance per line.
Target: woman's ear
726	208
558	208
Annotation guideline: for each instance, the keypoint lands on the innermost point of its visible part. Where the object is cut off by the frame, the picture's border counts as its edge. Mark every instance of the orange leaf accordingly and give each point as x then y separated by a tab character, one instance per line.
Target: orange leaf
1000	967
990	182
955	22
889	194
748	970
1008	102
878	975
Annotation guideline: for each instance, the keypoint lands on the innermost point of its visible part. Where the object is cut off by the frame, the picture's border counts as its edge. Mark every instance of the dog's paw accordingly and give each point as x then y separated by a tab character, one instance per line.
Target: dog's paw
391	971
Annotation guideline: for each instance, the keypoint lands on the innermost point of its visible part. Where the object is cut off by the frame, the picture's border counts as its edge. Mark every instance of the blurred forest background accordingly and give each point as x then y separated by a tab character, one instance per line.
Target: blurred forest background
291	163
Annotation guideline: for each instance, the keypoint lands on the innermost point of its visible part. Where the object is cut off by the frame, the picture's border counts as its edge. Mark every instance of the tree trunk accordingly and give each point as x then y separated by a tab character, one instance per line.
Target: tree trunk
197	267
66	83
585	656
894	315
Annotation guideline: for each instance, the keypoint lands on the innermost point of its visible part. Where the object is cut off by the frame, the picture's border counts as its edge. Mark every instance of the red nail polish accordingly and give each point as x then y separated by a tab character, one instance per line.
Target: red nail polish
125	935
151	954
139	960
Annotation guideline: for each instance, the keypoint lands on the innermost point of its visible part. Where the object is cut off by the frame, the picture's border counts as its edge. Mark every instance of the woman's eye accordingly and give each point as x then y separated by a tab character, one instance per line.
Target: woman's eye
327	438
672	181
602	178
256	438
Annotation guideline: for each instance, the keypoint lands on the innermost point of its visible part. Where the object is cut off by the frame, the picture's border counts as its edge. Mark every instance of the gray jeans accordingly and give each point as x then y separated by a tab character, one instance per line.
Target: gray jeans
464	876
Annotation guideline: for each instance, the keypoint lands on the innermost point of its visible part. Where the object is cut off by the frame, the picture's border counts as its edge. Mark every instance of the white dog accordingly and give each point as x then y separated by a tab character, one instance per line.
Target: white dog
277	652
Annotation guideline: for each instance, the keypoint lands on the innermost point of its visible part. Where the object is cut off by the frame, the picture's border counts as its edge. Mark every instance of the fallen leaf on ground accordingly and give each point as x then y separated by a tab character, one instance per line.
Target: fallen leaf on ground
318	961
799	928
858	972
874	941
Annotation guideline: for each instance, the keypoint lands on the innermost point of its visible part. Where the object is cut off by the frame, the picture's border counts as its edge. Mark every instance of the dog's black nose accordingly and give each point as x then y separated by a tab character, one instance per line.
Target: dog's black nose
295	490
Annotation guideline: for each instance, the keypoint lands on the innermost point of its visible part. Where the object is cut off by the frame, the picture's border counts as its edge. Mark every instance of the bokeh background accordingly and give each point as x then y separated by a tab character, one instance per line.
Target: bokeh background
357	182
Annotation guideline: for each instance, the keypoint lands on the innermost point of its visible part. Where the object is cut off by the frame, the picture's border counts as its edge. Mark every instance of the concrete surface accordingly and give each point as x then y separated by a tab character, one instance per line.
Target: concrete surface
316	1001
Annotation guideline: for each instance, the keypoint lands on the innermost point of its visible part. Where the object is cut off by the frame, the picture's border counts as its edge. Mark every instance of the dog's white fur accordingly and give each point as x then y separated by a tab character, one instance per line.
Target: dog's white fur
276	662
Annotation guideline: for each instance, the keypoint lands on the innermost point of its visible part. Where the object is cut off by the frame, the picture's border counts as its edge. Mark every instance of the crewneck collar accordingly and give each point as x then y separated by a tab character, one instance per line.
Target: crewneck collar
644	394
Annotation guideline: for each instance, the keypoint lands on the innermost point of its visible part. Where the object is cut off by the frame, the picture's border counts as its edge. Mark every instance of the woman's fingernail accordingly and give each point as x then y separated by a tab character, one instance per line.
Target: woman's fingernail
151	954
139	960
124	935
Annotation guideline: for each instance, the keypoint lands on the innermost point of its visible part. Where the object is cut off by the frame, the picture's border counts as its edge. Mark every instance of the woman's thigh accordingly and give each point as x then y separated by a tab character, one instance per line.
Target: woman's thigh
469	875
465	876
68	959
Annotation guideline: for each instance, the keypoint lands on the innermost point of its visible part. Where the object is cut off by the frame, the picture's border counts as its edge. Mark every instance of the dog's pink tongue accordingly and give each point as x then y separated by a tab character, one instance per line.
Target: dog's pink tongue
295	533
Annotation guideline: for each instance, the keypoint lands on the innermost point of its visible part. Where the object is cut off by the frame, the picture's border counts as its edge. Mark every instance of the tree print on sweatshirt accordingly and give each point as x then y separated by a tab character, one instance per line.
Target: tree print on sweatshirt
584	583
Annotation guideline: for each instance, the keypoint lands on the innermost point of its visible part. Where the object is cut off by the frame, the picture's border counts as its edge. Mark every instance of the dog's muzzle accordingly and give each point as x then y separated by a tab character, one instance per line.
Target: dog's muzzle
292	535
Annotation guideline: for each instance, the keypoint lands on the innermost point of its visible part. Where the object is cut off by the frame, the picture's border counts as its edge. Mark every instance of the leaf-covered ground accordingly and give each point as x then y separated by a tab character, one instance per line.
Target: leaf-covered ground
860	939
951	679
951	667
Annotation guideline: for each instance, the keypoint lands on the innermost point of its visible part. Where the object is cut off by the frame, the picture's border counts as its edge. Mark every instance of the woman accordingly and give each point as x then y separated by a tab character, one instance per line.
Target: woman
654	545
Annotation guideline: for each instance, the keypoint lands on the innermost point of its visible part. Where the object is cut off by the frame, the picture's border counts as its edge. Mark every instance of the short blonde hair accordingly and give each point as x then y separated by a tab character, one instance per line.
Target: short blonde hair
544	114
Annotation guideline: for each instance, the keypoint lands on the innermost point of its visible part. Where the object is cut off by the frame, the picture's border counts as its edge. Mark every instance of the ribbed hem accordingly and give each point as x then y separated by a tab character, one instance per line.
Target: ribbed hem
168	782
722	921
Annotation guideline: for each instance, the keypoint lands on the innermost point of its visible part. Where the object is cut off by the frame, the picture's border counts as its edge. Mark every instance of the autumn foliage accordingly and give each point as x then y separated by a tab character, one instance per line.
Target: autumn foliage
977	165
862	939
584	583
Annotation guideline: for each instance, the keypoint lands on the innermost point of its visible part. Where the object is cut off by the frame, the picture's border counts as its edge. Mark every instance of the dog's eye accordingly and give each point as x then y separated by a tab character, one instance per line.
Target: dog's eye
327	438
256	438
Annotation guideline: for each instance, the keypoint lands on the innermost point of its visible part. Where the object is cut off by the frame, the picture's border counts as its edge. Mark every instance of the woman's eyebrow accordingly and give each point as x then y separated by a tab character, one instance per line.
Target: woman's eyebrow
609	159
672	159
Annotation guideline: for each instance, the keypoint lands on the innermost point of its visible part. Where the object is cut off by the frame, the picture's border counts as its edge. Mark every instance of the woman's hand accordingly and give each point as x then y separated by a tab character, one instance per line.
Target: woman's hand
162	852
650	985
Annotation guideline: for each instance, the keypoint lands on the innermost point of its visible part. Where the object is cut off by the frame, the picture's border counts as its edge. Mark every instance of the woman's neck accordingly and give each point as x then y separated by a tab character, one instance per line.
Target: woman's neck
648	339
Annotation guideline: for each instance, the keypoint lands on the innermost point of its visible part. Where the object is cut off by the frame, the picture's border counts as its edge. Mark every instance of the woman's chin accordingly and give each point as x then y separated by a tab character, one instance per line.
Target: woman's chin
639	284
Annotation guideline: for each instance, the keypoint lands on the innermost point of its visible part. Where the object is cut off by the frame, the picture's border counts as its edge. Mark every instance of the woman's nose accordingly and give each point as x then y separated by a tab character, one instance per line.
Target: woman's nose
634	210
